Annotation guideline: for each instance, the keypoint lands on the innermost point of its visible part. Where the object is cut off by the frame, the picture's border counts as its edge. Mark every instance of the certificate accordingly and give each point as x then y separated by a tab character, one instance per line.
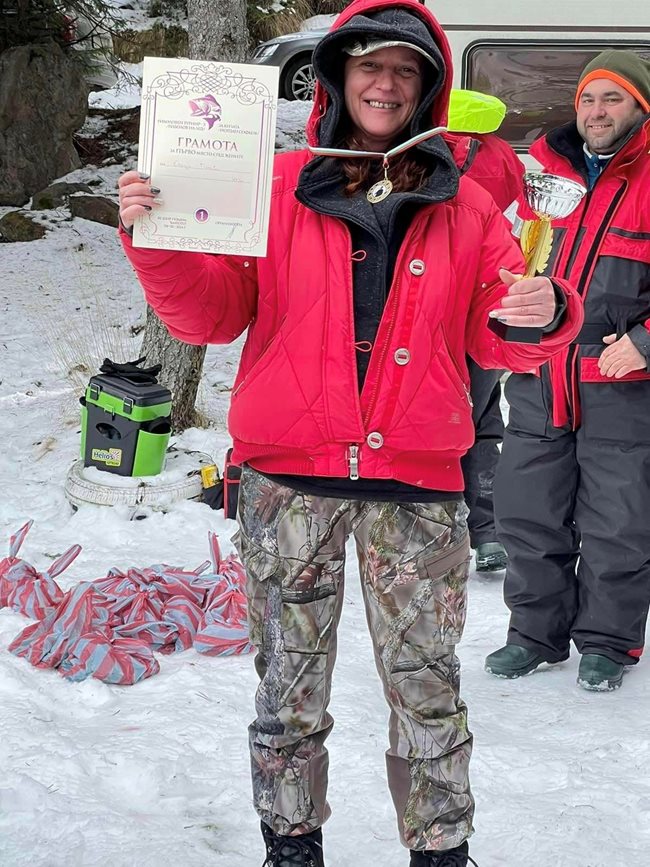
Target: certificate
207	137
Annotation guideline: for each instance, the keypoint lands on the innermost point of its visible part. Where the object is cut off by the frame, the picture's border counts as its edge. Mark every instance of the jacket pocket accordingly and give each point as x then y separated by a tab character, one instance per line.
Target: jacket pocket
261	362
621	279
458	380
627	244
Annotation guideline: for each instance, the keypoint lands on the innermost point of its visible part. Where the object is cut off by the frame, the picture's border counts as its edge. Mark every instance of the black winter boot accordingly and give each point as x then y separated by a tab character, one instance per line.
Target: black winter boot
457	857
599	673
305	850
491	557
512	661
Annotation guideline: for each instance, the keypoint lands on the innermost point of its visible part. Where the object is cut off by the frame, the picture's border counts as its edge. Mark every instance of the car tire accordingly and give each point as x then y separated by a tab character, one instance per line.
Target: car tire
181	480
299	79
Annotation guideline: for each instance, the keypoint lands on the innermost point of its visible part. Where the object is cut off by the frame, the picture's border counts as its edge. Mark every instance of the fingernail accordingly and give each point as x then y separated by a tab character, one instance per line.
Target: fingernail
493	314
155	190
147	207
143	176
502	319
158	200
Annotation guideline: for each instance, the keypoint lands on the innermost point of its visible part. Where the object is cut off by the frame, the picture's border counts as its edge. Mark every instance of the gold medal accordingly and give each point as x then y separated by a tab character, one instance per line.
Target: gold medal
379	191
382	189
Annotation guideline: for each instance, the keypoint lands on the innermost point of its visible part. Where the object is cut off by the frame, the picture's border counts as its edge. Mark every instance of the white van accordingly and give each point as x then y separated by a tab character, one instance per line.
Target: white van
530	54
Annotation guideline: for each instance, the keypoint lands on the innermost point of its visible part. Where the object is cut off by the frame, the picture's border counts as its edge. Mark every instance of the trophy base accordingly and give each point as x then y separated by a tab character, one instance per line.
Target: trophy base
515	334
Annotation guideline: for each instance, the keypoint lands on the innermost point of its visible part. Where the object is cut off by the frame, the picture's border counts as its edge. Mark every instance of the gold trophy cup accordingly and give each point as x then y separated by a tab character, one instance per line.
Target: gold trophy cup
550	197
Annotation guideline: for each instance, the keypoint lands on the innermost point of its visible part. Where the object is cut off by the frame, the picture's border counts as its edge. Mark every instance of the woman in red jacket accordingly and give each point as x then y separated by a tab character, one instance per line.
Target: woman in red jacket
350	414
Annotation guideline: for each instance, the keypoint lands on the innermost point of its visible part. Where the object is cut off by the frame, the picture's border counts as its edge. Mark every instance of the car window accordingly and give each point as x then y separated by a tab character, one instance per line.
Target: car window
536	81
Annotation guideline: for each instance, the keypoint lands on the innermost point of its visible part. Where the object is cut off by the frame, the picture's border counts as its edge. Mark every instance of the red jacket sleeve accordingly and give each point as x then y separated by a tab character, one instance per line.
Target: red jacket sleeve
500	250
202	298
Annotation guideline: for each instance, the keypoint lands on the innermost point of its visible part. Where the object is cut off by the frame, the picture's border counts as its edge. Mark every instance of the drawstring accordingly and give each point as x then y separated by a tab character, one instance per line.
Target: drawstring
363	346
359	256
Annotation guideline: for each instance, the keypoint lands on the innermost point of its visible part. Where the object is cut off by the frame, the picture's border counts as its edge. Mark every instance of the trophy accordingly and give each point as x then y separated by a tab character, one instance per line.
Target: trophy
550	197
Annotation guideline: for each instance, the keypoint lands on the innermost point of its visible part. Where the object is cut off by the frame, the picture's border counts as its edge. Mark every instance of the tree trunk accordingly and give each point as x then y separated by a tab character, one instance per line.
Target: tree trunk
217	31
182	364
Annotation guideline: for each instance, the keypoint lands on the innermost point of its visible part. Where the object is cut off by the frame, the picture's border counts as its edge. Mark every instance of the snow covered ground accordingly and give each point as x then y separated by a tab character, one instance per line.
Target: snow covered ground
157	774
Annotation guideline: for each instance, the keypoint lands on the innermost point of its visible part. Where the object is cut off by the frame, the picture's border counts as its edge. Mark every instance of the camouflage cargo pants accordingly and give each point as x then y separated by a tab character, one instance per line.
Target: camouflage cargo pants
413	561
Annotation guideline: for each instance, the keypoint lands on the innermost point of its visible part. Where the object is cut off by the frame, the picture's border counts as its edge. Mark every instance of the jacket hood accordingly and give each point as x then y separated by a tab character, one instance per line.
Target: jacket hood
406	20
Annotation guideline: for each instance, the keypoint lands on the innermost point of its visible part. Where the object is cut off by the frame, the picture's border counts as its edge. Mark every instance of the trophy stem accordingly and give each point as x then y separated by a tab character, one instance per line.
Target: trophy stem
539	256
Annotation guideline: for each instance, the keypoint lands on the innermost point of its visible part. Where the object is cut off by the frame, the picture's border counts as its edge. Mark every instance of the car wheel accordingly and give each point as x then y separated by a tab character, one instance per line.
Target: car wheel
180	480
299	79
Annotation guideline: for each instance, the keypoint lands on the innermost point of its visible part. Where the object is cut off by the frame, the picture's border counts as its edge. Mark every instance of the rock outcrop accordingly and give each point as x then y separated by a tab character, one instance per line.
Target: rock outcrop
43	101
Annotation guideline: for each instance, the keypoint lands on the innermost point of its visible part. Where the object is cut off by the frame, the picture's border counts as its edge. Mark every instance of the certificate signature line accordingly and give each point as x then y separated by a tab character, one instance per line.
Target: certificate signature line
211	173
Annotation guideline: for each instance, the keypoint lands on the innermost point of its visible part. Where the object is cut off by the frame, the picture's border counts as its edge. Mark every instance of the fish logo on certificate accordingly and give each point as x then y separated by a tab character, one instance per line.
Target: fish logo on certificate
206	107
207	137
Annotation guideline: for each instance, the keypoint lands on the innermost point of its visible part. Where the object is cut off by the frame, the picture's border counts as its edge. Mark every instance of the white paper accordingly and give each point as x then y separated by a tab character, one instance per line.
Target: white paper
207	137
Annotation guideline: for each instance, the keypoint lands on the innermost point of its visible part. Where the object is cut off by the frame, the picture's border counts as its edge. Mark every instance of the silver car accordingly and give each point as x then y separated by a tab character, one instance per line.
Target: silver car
292	53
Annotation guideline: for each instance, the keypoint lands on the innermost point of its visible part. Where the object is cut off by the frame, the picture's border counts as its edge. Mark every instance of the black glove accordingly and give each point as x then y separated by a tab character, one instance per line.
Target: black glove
132	372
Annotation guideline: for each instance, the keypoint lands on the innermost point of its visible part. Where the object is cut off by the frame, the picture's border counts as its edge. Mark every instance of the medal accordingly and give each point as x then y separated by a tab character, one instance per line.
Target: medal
382	189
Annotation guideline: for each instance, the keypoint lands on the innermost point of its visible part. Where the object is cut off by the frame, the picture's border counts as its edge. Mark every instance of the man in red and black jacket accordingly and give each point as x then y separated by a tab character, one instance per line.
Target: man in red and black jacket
572	492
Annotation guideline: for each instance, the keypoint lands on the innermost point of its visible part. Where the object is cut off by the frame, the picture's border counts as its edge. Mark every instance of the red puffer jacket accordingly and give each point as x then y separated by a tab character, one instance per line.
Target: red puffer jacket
296	408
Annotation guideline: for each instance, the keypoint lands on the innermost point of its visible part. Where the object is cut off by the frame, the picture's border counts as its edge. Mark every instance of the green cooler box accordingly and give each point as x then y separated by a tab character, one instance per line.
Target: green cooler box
125	426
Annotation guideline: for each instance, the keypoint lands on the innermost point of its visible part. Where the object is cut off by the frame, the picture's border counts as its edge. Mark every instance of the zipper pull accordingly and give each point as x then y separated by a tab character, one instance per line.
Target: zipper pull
468	395
353	462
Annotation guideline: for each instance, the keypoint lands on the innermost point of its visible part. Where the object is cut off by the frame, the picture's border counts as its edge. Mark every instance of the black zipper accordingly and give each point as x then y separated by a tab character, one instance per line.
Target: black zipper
472	150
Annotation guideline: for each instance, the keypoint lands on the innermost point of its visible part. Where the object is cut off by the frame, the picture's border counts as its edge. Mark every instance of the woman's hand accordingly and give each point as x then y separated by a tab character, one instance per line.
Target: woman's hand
530	301
137	196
